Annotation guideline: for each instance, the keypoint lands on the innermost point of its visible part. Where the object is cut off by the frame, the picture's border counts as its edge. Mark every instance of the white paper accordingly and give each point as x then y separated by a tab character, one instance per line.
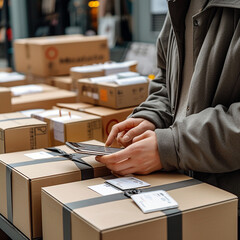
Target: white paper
154	201
86	69
9	77
26	89
131	81
110	78
52	113
127	75
29	112
105	189
38	155
125	183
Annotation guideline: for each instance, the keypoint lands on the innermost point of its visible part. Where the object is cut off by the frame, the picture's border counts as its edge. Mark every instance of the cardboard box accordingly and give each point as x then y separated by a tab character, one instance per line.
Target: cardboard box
5	99
54	56
98	70
74	106
109	117
73	211
64	82
10	79
18	133
111	94
45	100
22	175
67	125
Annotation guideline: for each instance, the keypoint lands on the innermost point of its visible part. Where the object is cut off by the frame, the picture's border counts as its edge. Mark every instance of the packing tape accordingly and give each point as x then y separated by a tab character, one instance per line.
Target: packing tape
174	216
86	169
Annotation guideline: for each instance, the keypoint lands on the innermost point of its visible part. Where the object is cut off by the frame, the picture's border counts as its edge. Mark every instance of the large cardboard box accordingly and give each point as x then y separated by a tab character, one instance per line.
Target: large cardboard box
9	79
98	70
5	99
67	125
74	212
111	94
45	100
50	56
22	174
18	133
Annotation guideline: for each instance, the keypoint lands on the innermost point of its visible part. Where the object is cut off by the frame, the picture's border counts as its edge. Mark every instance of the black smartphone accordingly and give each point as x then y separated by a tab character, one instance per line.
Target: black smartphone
92	149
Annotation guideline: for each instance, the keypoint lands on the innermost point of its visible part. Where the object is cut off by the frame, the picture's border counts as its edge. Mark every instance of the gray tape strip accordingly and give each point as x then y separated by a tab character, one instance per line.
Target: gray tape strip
120	196
9	193
174	215
67	231
174	224
86	173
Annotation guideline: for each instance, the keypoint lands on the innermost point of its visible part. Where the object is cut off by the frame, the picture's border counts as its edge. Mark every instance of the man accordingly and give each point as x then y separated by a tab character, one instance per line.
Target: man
191	119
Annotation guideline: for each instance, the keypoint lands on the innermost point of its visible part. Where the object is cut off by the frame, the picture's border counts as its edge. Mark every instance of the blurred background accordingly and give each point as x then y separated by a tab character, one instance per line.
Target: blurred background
131	26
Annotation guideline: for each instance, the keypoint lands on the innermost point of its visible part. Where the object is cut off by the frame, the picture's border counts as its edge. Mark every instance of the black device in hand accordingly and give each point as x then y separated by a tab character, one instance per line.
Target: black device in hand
92	149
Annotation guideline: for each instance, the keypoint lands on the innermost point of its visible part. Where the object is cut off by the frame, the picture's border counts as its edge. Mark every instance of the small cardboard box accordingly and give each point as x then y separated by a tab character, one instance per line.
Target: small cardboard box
109	116
67	125
45	100
5	99
22	175
10	79
98	70
63	82
73	211
111	94
18	133
54	56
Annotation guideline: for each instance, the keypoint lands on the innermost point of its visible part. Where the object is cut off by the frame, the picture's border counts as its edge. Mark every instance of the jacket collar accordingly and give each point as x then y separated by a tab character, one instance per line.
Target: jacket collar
219	3
224	3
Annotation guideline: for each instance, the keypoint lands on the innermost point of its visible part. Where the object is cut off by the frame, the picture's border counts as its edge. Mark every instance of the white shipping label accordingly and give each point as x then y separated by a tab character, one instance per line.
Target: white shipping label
154	201
58	130
58	126
38	155
105	189
9	77
125	183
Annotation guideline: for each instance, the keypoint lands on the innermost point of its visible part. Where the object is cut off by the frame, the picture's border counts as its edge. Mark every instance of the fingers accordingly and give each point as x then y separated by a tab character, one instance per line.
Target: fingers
122	127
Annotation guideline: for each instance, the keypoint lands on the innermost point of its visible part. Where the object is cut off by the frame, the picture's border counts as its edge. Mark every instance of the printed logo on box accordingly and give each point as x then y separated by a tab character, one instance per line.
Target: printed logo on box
51	53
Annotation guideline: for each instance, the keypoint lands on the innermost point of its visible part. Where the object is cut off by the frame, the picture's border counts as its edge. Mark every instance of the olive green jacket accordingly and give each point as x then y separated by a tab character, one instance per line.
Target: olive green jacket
208	139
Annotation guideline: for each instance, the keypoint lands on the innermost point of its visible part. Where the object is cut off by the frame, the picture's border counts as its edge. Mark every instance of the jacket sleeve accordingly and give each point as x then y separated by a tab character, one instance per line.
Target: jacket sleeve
206	142
156	108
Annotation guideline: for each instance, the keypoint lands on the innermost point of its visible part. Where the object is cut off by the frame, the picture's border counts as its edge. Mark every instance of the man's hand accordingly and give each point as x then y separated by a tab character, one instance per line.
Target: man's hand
140	157
127	130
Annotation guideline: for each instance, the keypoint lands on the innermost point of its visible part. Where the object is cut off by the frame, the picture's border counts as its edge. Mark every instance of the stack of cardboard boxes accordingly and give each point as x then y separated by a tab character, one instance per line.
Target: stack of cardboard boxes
48	191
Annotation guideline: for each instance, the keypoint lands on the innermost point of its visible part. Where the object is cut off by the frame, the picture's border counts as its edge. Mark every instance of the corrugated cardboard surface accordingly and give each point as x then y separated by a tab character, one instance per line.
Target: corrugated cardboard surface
64	82
112	95
19	133
43	57
45	100
28	180
109	117
87	127
5	99
207	213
